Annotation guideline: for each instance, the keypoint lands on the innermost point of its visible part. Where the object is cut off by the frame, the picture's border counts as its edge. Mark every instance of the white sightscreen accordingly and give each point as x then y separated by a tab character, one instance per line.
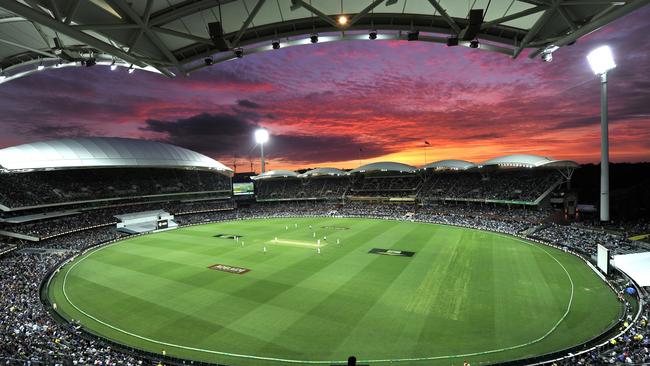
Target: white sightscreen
635	265
603	258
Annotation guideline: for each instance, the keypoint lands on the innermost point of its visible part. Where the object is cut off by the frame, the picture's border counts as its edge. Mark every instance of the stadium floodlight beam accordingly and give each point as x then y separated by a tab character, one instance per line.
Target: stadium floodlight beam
262	137
601	61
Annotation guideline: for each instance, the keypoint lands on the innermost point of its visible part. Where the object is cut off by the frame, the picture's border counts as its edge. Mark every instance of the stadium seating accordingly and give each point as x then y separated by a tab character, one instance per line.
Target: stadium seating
507	185
59	186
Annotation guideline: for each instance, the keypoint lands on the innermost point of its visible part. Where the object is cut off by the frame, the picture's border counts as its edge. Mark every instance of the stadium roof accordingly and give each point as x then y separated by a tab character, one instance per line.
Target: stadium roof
173	36
384	166
528	161
450	164
323	171
108	152
280	173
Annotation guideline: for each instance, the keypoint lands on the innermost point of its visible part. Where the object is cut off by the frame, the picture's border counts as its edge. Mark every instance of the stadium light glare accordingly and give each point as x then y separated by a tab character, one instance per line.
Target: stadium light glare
262	136
40	66
343	19
601	60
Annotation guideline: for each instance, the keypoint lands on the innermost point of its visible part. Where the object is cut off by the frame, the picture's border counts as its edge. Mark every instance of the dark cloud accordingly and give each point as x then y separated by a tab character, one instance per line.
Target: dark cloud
224	135
212	134
248	104
53	131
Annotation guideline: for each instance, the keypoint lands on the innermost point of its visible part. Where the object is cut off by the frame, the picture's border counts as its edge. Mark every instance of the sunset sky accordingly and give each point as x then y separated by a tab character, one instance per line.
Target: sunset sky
345	103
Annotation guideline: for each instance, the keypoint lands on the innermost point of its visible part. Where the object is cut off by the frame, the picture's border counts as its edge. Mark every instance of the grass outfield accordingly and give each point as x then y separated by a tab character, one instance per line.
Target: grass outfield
463	292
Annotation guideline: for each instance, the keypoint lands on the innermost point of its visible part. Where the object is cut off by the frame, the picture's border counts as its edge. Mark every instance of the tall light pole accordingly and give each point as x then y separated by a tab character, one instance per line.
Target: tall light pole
261	137
601	61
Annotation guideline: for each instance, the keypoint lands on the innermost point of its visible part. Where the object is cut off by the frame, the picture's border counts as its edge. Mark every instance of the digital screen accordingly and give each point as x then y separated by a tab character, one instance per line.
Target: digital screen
603	258
163	224
239	189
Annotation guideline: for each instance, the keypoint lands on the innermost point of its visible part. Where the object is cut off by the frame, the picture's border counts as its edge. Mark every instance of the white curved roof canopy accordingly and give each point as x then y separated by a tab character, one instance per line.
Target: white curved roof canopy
453	164
103	152
528	161
172	36
279	173
323	172
384	166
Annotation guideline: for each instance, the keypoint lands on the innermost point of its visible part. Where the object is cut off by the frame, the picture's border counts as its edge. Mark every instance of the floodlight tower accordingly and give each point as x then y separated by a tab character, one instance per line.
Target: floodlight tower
261	137
601	61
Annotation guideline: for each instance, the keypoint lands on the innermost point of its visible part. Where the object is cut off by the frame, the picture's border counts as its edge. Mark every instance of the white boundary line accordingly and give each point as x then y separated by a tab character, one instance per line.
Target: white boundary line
431	358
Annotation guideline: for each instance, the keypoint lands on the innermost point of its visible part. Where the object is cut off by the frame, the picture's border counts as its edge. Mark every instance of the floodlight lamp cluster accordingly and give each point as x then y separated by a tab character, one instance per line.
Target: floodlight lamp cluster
601	60
261	136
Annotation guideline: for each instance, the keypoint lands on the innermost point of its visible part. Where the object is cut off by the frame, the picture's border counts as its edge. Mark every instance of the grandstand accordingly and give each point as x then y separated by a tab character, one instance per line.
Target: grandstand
59	186
512	179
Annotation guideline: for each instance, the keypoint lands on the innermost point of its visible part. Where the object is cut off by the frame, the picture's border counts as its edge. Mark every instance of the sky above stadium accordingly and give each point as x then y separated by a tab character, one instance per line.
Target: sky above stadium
347	103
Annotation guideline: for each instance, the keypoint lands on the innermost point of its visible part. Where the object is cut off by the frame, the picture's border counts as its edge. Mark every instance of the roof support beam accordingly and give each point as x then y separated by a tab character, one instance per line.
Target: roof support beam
513	16
594	25
11	19
183	9
153	37
603	12
596	2
105	27
145	19
189	37
247	22
72	11
45	20
316	12
55	10
365	11
532	32
35	50
567	19
445	16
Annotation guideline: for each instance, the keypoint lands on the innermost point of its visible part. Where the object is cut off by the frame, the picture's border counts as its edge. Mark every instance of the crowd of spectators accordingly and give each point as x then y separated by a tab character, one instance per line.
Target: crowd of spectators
507	185
302	188
585	239
631	348
28	333
47	187
106	216
386	185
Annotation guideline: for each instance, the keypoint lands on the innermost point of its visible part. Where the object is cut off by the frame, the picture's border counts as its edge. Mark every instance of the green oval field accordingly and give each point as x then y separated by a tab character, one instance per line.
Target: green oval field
463	294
